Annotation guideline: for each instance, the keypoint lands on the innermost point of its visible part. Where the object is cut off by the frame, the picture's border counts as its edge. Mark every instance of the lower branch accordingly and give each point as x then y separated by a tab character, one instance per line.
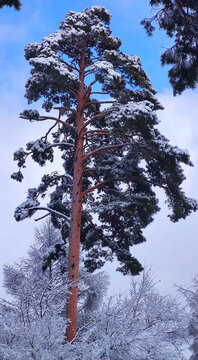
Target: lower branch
53	212
42	217
48	132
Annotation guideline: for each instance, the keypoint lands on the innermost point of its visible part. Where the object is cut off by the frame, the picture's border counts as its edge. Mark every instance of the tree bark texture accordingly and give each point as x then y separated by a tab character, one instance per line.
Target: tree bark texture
74	244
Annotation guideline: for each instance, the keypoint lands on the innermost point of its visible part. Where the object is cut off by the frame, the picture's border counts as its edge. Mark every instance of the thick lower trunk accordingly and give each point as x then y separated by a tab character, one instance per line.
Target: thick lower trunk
74	245
74	242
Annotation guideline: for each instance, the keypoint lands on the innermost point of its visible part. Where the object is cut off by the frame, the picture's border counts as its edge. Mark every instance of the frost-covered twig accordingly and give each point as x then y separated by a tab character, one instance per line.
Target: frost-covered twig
51	211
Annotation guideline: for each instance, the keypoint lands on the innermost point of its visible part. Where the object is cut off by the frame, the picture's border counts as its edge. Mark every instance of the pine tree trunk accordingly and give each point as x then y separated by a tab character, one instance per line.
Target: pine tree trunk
74	244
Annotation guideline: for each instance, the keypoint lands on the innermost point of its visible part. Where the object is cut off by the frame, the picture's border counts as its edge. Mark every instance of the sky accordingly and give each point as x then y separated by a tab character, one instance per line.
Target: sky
171	249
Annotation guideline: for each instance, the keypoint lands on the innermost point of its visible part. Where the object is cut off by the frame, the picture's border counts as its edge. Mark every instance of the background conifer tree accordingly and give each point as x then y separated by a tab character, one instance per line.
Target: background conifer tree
137	325
191	296
179	18
32	318
113	154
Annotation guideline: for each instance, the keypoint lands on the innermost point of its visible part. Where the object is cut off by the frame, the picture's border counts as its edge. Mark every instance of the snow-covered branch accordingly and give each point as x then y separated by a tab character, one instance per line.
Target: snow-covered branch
52	211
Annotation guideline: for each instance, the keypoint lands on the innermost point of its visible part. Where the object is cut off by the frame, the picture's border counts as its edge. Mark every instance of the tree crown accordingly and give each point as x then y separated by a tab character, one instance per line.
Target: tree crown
124	155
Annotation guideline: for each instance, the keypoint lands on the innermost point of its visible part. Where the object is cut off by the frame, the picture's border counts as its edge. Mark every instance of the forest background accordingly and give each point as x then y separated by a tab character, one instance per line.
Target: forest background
171	249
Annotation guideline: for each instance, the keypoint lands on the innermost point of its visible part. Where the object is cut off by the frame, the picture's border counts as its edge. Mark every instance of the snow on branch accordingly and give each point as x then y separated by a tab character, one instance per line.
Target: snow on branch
53	212
33	115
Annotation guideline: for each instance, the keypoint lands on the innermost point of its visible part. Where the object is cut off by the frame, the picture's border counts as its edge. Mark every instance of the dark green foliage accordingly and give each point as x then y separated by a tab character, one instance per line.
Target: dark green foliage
179	18
30	115
18	176
16	3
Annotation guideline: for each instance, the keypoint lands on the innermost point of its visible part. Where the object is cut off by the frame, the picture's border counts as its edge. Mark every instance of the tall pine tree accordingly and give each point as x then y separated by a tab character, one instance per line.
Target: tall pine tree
113	154
179	18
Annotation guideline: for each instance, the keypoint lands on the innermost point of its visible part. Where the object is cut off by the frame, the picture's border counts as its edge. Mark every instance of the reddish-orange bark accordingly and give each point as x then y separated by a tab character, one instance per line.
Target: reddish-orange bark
78	170
74	243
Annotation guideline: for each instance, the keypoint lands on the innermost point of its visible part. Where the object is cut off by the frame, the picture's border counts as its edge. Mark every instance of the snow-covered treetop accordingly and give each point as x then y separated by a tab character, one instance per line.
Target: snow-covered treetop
52	75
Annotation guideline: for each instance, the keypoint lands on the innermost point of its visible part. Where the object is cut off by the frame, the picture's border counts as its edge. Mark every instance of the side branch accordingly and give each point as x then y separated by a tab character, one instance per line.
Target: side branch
126	180
94	152
43	118
48	132
51	211
87	95
42	217
72	92
70	67
99	116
